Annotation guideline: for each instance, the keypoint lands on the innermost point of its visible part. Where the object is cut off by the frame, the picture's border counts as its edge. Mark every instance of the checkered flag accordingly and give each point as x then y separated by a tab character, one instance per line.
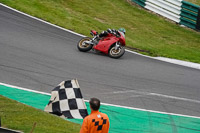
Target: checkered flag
67	101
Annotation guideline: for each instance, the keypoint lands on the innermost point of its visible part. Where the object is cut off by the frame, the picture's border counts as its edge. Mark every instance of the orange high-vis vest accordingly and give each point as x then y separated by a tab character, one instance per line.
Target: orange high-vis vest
96	122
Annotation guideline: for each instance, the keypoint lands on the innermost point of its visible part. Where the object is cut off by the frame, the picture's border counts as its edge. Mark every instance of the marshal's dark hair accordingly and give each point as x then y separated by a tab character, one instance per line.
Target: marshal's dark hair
94	103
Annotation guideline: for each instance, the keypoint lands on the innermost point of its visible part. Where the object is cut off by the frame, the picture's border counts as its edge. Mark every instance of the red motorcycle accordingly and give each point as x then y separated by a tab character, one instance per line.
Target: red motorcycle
113	44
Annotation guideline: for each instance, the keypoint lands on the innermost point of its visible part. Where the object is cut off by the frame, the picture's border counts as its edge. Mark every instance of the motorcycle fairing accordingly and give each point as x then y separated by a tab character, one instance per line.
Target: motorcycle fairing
105	43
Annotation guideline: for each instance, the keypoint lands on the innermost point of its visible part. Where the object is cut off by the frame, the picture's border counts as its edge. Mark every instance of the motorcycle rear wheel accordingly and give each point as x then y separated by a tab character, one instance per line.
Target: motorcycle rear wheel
113	53
82	46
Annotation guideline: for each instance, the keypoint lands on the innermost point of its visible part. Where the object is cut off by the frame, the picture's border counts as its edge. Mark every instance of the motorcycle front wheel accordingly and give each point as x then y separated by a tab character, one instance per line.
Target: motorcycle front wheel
82	46
116	53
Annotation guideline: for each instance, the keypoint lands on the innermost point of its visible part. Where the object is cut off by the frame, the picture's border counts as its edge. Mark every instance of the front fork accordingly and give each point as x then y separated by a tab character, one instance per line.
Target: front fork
117	45
93	41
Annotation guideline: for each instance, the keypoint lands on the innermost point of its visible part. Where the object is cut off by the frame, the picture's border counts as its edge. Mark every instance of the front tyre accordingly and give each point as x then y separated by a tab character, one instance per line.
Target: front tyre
116	53
84	47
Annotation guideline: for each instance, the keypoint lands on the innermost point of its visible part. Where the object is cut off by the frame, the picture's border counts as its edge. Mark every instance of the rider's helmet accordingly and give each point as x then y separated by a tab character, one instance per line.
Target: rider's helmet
122	30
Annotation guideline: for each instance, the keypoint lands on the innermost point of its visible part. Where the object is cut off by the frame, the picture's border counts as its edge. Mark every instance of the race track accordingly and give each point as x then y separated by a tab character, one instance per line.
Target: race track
38	56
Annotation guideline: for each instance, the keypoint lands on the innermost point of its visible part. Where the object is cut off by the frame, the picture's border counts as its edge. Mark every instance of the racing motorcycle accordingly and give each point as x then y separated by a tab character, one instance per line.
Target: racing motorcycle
113	44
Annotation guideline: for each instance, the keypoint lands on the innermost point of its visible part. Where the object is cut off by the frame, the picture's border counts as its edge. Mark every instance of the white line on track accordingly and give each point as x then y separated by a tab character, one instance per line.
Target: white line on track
176	98
44	93
173	61
154	94
41	20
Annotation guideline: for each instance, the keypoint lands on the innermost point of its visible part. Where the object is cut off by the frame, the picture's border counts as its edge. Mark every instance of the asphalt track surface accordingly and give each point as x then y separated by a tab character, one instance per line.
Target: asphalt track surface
39	56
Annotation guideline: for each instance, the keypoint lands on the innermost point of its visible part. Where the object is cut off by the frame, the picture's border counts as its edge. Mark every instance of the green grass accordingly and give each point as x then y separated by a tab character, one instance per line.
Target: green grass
145	31
18	116
197	2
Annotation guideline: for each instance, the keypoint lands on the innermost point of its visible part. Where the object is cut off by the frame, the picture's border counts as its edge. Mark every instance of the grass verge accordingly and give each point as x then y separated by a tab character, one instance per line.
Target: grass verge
145	31
18	116
197	2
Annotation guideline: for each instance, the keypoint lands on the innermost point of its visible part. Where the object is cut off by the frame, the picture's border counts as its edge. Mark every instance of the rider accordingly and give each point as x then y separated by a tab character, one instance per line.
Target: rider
105	33
113	31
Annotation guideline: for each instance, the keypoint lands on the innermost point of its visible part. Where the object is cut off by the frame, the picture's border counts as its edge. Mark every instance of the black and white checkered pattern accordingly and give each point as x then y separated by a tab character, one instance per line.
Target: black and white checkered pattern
67	101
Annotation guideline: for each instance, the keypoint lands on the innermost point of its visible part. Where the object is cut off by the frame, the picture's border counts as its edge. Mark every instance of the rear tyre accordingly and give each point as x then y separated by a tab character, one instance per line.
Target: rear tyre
113	53
82	46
